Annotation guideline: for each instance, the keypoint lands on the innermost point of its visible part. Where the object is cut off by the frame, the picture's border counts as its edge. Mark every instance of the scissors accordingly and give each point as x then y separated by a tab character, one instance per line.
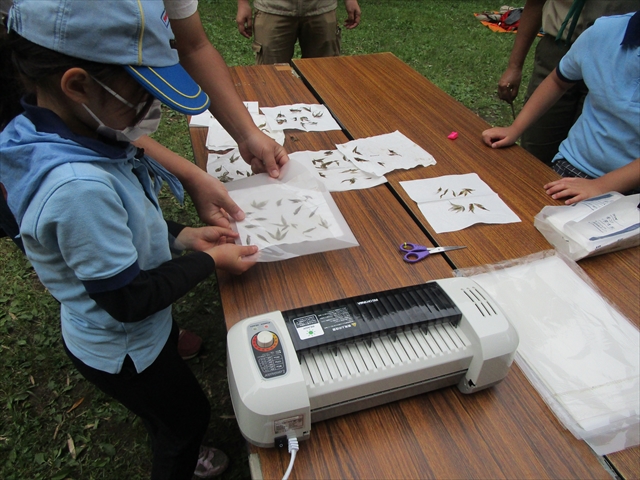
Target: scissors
414	253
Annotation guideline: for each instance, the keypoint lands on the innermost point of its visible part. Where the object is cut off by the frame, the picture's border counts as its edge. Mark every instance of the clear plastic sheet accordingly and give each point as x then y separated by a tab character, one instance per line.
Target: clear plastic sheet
579	352
289	216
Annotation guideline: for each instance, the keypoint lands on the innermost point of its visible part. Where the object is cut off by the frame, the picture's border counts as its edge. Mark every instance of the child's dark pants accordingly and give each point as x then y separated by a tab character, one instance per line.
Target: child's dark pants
169	400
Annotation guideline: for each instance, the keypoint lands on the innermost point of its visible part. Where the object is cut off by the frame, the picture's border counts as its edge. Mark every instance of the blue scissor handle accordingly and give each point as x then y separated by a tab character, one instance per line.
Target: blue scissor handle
414	252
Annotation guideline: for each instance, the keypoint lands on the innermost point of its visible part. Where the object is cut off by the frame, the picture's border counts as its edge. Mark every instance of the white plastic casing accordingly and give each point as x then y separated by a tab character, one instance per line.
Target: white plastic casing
269	408
266	408
494	339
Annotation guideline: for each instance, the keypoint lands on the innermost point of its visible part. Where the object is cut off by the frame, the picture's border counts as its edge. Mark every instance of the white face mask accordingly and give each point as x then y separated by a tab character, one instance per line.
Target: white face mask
146	126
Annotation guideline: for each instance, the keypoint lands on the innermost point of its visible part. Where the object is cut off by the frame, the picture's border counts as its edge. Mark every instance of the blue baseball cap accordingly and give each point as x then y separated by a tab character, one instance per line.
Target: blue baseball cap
133	33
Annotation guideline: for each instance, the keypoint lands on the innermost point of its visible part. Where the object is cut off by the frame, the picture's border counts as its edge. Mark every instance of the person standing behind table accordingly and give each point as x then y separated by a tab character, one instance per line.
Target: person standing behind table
602	151
277	24
543	137
86	200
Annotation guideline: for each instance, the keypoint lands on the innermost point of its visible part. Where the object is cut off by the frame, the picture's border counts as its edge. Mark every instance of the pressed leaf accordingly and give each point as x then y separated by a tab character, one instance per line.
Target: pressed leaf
259	205
456	208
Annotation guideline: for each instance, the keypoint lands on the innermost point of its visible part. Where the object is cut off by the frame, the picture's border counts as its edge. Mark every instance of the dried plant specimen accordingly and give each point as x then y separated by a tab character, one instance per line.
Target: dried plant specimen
456	208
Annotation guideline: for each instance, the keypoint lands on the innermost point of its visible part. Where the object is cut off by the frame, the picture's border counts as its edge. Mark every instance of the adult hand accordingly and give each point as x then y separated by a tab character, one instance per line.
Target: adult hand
574	187
509	84
263	154
233	258
499	137
204	238
244	19
353	14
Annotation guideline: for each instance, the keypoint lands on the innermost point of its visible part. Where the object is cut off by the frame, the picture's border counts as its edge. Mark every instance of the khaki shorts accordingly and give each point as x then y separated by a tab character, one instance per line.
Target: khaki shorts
275	36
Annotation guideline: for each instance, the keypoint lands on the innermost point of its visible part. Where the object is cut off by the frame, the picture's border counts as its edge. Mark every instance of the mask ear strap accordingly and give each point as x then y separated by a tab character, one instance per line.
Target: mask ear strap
123	100
93	115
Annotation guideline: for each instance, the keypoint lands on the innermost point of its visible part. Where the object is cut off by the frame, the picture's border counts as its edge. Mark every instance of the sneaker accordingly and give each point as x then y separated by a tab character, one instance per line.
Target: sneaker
211	462
188	344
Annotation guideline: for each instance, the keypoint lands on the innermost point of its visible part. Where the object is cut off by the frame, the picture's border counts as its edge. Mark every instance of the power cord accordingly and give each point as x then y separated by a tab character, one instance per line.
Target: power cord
293	449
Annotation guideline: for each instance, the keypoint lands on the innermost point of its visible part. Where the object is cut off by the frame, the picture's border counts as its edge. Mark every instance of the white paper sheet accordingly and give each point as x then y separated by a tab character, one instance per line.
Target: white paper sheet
228	167
384	153
335	171
300	116
290	216
202	119
581	354
454	202
219	139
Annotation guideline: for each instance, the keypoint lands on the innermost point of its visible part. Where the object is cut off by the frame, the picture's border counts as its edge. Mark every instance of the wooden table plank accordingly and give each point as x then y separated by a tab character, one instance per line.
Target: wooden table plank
390	96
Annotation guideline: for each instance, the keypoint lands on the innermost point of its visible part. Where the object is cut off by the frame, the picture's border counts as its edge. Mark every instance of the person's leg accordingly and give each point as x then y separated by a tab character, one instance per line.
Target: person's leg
8	224
320	36
543	138
170	402
274	38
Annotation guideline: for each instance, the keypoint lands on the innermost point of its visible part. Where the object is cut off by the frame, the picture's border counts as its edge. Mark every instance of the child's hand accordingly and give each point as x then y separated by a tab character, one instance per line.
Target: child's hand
576	188
204	238
499	137
233	258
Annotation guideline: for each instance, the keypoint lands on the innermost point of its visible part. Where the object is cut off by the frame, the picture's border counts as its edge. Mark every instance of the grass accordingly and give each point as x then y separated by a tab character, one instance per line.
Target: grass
54	424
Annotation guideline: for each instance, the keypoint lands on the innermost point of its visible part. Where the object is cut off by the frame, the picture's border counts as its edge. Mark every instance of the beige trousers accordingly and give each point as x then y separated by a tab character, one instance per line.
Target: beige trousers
275	36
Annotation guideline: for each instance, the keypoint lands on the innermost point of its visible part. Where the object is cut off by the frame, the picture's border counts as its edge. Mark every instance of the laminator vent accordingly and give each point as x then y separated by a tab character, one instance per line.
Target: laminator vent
383	352
482	303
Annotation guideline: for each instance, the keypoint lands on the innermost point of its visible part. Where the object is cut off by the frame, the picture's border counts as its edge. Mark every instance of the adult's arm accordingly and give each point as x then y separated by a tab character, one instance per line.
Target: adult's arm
528	28
244	18
353	14
207	67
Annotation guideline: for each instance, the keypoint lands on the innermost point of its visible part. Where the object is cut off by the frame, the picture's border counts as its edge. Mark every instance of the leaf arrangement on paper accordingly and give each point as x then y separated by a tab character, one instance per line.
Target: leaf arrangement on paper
382	154
228	167
454	202
300	116
279	214
335	171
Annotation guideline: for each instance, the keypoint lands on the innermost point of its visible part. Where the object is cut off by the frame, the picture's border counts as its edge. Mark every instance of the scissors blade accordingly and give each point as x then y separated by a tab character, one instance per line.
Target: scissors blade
444	249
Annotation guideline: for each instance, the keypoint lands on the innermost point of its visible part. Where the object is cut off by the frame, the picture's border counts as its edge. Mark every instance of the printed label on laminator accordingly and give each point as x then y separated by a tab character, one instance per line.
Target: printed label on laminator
308	327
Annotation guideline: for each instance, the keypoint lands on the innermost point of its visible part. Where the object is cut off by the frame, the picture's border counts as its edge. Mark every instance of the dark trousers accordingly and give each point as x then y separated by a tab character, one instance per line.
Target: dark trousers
8	225
170	401
545	135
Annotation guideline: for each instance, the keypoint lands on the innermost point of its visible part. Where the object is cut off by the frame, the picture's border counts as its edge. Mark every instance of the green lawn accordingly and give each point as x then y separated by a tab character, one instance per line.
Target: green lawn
55	425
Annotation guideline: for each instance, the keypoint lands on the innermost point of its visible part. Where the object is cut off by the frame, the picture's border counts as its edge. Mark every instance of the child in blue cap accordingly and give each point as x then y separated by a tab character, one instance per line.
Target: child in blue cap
86	201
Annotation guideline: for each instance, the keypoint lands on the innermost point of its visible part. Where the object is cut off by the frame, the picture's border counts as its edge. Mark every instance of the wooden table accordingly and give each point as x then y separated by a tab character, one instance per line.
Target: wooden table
392	96
503	432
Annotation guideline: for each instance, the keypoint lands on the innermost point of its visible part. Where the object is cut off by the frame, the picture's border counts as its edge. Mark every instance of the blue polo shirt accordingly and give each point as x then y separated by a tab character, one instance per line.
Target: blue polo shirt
606	136
89	219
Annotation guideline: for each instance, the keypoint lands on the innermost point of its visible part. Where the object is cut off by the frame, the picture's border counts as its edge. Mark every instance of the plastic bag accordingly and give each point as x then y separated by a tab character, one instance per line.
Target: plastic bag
579	352
591	227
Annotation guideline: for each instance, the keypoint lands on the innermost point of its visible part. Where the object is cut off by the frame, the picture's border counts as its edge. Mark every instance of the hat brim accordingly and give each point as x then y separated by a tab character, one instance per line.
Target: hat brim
172	86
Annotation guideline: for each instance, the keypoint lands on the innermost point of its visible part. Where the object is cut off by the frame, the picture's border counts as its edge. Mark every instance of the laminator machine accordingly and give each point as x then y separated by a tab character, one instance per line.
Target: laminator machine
289	369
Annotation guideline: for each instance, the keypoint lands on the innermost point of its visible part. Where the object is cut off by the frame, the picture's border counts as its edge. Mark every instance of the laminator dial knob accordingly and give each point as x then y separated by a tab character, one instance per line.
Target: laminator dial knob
265	339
